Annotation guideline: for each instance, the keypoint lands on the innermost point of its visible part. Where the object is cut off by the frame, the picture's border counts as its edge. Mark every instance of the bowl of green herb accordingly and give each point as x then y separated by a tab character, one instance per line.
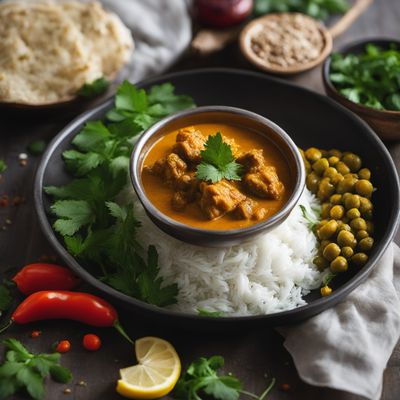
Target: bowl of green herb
365	77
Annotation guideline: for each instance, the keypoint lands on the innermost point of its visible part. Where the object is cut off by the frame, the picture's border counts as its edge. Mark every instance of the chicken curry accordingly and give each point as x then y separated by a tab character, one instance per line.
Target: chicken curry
257	190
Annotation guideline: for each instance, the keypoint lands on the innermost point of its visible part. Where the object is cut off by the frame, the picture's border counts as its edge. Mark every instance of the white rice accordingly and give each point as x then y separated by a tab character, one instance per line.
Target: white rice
269	274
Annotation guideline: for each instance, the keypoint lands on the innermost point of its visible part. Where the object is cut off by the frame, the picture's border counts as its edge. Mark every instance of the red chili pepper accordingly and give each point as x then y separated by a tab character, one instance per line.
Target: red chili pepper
64	346
40	276
91	342
76	306
35	334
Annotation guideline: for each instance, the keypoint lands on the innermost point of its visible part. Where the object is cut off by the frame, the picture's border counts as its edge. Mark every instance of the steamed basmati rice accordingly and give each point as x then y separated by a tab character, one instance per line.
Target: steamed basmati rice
269	274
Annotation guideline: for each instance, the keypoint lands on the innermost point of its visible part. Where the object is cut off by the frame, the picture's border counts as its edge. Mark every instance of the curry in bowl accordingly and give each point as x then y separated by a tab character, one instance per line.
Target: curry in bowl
216	176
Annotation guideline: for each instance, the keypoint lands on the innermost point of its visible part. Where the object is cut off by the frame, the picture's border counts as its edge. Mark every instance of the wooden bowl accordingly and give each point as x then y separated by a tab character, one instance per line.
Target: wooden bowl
258	24
384	122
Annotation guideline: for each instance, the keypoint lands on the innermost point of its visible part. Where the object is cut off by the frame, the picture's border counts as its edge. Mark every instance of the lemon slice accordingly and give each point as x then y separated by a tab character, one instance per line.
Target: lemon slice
156	373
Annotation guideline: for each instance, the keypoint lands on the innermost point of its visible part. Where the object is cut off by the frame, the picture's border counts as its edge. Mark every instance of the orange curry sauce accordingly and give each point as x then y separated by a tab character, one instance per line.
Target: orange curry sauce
160	194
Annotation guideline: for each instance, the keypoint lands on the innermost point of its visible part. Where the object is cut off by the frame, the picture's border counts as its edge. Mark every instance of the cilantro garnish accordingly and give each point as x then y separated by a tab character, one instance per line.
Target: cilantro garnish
3	166
320	9
370	78
206	313
217	161
95	227
94	88
202	377
24	370
311	221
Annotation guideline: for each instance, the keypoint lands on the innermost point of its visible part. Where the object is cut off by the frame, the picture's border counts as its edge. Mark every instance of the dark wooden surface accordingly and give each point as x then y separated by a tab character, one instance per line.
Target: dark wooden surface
249	355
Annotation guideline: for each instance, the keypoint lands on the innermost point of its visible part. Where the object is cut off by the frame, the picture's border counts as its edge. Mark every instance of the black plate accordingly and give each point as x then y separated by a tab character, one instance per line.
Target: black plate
309	118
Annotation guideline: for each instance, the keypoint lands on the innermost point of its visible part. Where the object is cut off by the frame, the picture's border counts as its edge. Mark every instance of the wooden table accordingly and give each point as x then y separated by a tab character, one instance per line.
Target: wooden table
249	355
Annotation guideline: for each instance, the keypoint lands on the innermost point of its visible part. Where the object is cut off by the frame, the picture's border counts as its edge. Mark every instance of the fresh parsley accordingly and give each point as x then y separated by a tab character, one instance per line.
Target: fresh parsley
206	313
202	377
320	9
3	166
37	147
370	78
217	161
94	88
97	228
24	370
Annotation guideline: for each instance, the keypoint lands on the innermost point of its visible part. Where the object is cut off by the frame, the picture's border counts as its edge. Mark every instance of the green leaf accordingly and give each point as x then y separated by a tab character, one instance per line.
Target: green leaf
82	163
91	136
5	298
3	166
7	387
217	161
224	388
117	211
73	214
33	382
18	347
10	368
41	365
60	374
94	88
37	147
130	98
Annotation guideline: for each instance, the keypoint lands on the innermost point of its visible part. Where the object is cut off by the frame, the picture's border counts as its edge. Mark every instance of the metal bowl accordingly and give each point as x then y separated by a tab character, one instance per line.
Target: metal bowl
218	114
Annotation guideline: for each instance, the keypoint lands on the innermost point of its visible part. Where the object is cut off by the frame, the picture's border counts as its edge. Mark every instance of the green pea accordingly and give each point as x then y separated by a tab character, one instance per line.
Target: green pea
365	205
353	213
352	201
312	182
337	212
345	238
347	252
321	262
366	244
323	244
326	189
336	199
320	166
335	153
328	230
313	154
330	172
339	264
333	160
337	178
342	226
364	187
364	173
325	210
359	259
361	234
368	215
370	227
342	168
352	161
331	251
358	224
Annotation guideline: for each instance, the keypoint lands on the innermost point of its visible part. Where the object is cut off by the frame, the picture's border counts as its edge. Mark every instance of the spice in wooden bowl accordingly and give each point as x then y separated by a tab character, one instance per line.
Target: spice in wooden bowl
285	43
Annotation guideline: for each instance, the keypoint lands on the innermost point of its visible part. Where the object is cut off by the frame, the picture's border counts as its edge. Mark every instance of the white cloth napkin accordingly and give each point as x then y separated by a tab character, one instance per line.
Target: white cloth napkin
347	347
161	30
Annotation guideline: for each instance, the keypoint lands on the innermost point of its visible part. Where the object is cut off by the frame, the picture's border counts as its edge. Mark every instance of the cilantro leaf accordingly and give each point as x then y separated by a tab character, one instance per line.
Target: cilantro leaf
3	166
217	161
23	369
37	147
93	134
130	98
94	88
73	214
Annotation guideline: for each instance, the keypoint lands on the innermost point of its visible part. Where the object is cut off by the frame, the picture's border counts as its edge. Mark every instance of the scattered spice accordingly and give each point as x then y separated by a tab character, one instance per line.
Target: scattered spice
18	200
4	201
82	383
23	156
326	291
67	391
285	387
288	40
23	163
8	221
35	334
91	342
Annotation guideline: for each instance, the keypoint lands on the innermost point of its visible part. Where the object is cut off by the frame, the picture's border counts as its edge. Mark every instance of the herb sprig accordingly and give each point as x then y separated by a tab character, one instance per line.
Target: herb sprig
202	377
320	9
370	78
24	370
94	88
217	161
96	228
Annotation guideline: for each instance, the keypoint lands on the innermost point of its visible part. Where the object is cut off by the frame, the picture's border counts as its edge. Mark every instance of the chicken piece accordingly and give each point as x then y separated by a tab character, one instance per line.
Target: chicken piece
189	143
245	209
219	198
260	214
265	183
233	145
252	161
170	168
179	201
